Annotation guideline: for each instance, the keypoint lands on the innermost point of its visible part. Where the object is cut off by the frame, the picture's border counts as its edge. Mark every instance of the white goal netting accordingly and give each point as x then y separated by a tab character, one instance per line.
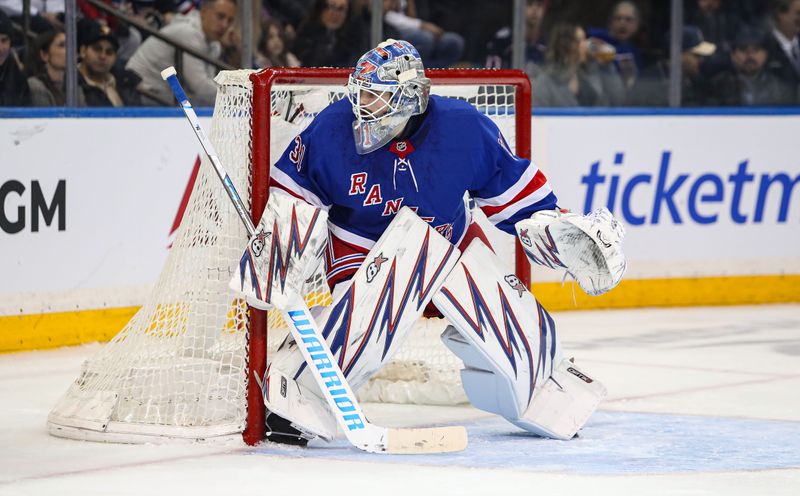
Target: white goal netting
178	369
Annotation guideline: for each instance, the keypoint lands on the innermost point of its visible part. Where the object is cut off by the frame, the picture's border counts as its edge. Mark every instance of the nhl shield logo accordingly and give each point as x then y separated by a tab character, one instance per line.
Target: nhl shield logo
401	148
375	266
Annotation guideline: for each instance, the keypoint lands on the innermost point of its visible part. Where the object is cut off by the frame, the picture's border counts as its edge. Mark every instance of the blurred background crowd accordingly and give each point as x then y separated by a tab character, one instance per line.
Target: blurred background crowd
577	53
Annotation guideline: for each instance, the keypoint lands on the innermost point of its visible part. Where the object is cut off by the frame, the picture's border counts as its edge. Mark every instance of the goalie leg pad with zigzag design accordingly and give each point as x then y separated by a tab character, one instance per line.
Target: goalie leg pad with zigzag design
371	314
512	357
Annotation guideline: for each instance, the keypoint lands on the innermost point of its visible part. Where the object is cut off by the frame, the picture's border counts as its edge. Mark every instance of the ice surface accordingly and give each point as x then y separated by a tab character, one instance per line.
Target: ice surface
701	401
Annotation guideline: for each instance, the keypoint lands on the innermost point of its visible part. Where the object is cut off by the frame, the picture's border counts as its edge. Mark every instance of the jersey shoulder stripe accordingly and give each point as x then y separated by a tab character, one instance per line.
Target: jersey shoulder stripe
536	188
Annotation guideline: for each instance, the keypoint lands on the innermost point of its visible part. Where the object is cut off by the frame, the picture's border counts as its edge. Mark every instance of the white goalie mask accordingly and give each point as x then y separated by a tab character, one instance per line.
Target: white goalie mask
387	87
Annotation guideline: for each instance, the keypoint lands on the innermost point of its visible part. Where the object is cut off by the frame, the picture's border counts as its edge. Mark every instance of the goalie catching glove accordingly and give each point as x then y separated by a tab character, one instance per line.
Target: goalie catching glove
588	246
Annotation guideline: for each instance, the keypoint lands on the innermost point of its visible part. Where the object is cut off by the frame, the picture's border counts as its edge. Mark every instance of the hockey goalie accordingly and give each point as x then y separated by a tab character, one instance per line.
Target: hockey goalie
394	170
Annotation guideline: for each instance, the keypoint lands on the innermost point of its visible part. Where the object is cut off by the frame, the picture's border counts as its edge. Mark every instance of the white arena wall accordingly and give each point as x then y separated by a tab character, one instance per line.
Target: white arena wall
711	204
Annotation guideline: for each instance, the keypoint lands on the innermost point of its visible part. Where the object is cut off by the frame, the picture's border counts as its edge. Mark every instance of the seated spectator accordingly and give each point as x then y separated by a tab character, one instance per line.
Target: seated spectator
748	82
99	87
623	25
129	37
783	48
13	85
202	31
719	28
652	86
272	49
437	47
570	78
499	48
48	63
331	35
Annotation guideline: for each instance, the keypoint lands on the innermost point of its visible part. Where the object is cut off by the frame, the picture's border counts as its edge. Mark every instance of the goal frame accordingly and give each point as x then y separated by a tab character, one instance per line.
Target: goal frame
263	81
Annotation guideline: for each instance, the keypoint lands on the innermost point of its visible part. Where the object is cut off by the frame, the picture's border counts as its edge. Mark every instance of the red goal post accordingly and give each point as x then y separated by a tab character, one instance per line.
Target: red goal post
261	110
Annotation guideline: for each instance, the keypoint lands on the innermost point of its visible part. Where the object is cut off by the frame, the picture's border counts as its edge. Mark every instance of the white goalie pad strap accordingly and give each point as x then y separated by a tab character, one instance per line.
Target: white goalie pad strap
285	252
504	332
372	314
291	400
588	246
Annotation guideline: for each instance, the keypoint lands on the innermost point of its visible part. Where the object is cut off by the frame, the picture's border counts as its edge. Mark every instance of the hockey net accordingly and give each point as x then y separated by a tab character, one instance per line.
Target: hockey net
179	369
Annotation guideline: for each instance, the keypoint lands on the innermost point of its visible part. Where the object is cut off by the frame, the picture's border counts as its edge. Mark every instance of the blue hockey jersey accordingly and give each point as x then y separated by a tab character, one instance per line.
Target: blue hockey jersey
455	150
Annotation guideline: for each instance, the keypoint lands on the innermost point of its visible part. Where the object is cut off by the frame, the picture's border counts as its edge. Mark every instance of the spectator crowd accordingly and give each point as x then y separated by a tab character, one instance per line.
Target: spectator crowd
616	53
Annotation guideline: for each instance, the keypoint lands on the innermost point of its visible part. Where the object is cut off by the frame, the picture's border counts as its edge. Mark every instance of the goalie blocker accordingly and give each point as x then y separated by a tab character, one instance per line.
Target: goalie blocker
514	365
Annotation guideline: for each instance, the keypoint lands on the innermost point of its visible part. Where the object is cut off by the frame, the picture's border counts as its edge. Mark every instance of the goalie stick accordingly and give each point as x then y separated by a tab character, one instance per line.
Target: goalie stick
324	367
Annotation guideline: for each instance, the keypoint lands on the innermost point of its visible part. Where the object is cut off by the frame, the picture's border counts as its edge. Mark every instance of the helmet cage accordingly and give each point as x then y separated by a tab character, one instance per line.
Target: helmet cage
385	99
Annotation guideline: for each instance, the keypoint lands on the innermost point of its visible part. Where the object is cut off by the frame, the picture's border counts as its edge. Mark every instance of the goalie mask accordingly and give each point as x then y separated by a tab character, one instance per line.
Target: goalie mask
386	88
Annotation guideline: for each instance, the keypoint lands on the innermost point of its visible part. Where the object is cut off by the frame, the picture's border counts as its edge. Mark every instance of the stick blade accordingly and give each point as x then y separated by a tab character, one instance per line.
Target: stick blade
427	440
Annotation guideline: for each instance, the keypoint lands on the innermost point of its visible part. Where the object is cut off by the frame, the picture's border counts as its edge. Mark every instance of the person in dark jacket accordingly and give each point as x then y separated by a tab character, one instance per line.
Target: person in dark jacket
652	87
623	26
101	88
14	90
783	47
748	82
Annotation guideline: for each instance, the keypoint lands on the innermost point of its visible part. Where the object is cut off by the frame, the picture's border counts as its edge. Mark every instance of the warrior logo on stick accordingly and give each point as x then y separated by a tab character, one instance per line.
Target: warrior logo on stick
375	266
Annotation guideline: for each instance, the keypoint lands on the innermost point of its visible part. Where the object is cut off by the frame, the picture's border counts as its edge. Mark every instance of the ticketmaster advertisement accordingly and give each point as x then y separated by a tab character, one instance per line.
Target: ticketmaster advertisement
699	195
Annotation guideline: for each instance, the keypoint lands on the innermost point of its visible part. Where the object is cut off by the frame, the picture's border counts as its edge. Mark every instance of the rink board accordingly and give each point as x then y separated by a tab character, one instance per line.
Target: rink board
87	227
